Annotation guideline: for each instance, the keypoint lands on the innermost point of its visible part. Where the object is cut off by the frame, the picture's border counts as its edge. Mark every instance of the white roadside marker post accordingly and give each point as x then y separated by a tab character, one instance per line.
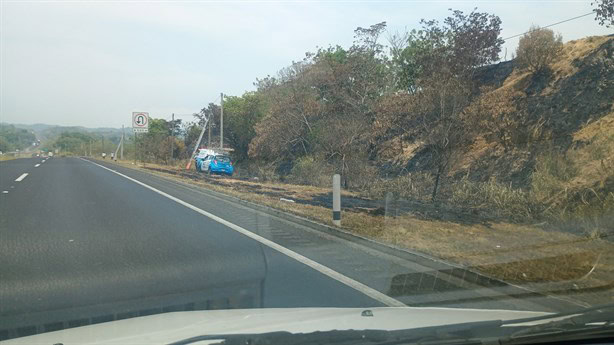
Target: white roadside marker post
337	199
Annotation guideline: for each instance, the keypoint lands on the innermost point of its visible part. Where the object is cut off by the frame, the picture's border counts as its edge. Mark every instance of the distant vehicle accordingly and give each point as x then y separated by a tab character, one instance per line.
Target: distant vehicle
201	156
50	153
202	153
104	155
215	163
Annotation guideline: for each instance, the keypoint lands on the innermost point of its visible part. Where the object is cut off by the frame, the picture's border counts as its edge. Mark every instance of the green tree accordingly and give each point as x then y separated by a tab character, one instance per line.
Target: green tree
16	138
442	60
241	114
72	142
604	12
5	146
538	48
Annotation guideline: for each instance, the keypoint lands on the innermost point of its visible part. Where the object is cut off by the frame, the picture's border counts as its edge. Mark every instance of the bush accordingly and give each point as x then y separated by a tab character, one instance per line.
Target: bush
592	214
538	48
413	186
577	207
311	171
501	199
552	172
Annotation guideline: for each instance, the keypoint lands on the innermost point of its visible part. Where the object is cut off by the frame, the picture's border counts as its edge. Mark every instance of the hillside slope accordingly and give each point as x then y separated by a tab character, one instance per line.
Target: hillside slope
561	106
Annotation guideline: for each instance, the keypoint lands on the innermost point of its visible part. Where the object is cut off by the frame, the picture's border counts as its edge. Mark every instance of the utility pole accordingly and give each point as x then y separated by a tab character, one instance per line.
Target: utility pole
209	124
221	121
200	137
135	133
121	153
103	144
172	135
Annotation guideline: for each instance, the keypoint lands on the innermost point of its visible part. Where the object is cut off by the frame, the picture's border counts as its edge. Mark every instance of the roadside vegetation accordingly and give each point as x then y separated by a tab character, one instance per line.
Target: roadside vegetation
12	138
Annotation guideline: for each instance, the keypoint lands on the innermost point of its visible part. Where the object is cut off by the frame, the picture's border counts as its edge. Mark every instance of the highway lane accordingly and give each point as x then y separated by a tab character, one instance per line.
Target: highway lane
79	241
75	235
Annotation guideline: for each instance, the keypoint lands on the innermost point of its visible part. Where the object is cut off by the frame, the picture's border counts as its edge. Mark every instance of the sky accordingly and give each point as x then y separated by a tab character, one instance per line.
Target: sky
92	63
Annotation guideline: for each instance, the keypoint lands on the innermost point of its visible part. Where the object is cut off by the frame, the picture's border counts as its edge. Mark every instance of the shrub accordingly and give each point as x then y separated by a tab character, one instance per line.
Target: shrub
592	213
538	48
414	186
552	171
502	200
312	171
265	172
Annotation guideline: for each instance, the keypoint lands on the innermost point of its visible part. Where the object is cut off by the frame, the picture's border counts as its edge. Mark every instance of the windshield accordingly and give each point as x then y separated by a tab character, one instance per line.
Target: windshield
222	159
307	160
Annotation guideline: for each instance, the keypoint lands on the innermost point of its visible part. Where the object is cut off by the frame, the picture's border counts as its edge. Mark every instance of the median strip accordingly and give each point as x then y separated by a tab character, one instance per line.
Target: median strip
20	178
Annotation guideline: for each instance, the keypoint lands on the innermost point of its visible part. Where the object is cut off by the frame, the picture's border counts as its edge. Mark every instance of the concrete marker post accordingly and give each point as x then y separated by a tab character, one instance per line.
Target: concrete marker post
337	199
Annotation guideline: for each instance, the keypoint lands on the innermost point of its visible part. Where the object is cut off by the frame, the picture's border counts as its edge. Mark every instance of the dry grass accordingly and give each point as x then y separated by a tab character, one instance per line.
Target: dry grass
563	66
597	155
574	50
11	156
523	254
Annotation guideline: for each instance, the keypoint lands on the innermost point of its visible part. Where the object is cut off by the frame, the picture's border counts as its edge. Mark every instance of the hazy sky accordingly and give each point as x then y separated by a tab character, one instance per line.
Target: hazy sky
93	63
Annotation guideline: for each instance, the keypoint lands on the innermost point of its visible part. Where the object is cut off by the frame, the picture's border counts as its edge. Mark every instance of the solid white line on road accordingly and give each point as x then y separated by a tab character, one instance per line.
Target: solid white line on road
37	165
20	178
5	192
376	295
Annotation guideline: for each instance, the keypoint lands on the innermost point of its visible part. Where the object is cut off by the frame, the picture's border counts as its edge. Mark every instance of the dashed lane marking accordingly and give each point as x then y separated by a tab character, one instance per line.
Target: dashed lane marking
20	178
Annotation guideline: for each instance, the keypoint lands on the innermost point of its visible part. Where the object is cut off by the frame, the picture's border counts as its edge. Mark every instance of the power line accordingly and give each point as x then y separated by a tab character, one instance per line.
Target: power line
198	112
553	24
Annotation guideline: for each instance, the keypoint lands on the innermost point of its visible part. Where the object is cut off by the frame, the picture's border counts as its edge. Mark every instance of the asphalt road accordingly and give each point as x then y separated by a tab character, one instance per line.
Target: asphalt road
81	244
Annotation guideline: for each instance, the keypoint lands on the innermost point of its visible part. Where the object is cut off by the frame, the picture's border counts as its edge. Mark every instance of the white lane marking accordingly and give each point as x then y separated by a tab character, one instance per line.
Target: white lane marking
5	192
20	178
43	161
37	165
376	295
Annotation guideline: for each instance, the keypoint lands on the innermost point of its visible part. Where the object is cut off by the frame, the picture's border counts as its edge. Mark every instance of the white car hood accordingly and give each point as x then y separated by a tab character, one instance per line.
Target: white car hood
174	326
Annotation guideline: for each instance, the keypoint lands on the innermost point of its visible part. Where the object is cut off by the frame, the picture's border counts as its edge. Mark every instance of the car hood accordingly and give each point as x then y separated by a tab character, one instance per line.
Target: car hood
174	326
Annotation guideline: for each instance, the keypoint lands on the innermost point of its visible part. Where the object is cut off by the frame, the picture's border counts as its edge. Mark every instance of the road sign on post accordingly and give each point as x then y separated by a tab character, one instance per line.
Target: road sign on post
140	122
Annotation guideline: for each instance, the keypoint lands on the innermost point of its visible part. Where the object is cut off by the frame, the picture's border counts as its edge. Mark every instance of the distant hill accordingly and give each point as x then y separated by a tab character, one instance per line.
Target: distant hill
45	132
